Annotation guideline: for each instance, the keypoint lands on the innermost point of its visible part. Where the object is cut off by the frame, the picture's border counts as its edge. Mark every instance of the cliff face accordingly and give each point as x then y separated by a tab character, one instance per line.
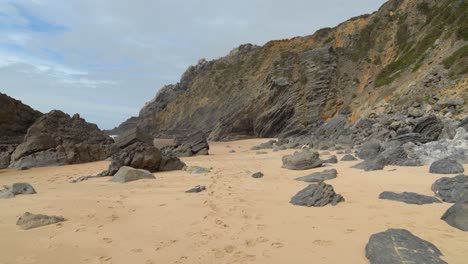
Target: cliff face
15	119
405	53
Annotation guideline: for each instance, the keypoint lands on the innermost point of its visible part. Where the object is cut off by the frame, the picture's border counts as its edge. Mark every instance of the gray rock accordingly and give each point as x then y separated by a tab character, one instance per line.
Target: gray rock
258	175
369	150
391	156
187	146
429	127
415	112
348	157
317	195
128	174
307	159
399	246
28	221
15	189
446	166
196	189
409	198
319	176
131	136
457	216
451	190
267	145
197	170
332	160
261	152
171	164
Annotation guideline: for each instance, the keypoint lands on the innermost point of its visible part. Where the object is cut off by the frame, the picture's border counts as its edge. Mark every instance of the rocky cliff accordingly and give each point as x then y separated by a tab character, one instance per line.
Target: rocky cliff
15	119
409	52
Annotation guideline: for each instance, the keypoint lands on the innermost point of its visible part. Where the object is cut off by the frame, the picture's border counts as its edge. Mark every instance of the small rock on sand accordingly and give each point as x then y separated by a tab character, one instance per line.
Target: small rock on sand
317	195
258	175
446	166
196	189
319	176
409	198
128	174
29	221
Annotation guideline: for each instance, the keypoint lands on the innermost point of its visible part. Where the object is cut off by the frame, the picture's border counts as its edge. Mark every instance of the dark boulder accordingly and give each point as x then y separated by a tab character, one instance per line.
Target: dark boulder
58	139
409	198
399	246
319	176
304	160
258	175
332	160
457	216
317	195
138	155
187	146
348	157
131	136
29	221
396	156
128	174
451	190
369	150
171	164
196	189
446	166
429	127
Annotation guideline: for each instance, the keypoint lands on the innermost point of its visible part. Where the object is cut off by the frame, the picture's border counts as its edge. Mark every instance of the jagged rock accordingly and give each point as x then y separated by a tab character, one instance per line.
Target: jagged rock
416	112
369	150
409	198
457	216
429	127
391	156
304	160
196	189
16	189
191	145
319	176
28	221
197	170
258	175
399	246
348	157
58	139
128	174
410	137
15	119
446	166
131	136
317	195
451	190
332	160
138	155
171	164
445	148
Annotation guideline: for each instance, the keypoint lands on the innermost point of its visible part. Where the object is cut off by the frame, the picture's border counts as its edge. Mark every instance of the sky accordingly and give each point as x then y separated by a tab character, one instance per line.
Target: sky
105	58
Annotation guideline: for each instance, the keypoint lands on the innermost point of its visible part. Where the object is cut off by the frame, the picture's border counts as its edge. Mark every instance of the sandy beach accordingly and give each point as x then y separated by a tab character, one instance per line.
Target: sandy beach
238	219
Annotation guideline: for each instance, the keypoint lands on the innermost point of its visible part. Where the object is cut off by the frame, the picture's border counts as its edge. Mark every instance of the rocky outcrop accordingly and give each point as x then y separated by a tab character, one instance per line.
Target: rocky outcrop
304	160
128	174
29	221
451	190
457	216
58	139
409	198
368	66
446	166
317	195
187	146
15	119
399	246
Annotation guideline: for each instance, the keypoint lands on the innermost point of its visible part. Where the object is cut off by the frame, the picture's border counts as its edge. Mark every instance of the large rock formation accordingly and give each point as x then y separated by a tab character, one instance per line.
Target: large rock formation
58	139
15	119
409	55
399	246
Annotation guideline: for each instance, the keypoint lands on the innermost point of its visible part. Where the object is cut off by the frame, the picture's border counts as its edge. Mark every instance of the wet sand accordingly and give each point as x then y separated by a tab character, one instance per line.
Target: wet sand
237	220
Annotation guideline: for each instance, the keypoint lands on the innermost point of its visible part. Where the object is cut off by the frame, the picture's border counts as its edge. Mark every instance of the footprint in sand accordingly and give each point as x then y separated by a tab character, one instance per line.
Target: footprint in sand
136	250
105	259
277	245
323	243
229	249
108	240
